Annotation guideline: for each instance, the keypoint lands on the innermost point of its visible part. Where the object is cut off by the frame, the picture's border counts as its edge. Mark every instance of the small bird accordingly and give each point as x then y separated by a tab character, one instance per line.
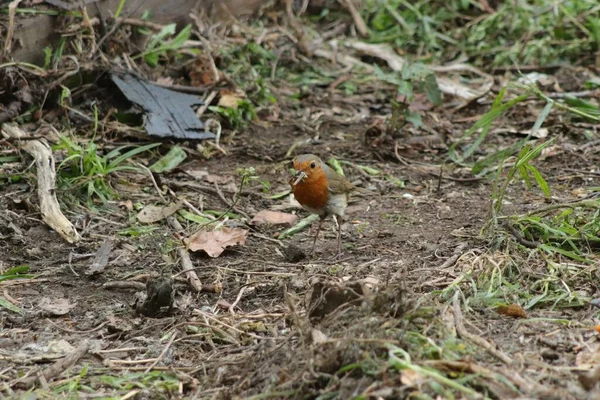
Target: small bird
321	190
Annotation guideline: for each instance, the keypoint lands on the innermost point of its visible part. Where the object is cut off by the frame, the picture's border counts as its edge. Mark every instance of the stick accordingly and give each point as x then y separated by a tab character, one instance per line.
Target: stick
12	9
58	367
478	340
46	175
457	253
162	354
361	27
186	262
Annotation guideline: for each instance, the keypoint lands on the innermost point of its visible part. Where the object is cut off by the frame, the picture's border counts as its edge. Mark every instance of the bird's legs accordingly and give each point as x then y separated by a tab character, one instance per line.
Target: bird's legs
339	221
316	236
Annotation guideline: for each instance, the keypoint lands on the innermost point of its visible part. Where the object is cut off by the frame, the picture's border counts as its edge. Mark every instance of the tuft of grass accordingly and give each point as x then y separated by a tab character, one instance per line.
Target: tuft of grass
236	118
165	43
524	32
87	172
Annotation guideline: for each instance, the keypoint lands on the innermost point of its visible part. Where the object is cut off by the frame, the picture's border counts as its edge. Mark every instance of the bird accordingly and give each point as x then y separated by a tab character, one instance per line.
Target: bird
322	191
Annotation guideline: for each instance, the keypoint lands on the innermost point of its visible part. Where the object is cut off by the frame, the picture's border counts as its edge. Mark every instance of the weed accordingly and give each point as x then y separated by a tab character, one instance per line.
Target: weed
539	32
85	170
10	274
414	78
236	118
159	44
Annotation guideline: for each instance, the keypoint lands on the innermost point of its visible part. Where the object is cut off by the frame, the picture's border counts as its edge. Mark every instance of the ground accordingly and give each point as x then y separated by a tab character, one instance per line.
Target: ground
433	297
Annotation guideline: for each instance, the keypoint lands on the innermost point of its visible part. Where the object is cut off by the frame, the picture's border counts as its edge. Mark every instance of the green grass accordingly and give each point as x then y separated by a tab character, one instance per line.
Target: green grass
524	32
86	173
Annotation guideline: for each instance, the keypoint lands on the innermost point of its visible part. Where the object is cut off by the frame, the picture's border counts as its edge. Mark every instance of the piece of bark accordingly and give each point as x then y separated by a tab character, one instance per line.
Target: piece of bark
46	176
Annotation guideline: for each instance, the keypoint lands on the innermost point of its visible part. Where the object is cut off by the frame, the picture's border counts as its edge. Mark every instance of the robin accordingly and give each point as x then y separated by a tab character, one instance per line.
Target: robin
321	190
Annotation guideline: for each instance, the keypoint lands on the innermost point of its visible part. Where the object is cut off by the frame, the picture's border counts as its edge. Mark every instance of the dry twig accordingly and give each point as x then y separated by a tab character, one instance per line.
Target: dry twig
58	367
186	261
478	340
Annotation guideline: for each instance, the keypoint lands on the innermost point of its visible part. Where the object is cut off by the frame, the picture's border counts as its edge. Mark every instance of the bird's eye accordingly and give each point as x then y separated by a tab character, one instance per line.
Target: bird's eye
313	164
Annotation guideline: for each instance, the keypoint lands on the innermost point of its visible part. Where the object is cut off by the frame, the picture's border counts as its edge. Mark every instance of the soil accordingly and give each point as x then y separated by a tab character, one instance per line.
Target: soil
265	332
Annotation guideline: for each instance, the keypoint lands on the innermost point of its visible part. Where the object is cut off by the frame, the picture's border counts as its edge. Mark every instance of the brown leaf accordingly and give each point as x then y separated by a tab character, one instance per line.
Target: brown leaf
274	218
231	98
56	306
152	213
513	310
215	242
204	72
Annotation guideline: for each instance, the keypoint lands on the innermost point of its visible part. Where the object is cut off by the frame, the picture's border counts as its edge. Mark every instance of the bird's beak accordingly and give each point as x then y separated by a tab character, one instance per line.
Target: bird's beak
300	175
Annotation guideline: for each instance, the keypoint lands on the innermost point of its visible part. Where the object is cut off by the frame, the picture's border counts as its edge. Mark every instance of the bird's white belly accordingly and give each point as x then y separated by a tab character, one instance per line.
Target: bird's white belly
337	204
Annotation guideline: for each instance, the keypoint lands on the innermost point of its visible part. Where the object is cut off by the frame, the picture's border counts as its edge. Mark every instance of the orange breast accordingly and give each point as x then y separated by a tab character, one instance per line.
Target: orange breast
312	192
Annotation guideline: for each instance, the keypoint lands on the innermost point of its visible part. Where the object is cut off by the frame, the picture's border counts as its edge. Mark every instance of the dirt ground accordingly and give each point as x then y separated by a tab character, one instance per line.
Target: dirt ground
258	330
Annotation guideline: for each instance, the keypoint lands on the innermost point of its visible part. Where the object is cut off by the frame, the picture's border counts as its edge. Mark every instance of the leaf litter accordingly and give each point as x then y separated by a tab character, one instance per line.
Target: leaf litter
246	312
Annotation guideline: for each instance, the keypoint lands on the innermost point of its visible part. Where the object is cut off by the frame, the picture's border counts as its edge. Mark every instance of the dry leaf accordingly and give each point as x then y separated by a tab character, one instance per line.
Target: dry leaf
197	173
231	98
220	179
226	181
410	377
317	336
60	346
152	214
274	218
589	356
215	242
128	205
56	306
514	310
165	81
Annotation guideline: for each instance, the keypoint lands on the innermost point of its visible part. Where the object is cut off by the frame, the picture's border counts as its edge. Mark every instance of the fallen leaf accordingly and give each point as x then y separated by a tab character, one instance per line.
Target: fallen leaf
409	377
165	81
226	181
274	218
220	179
589	356
231	98
513	310
128	205
215	242
197	173
204	72
56	306
317	336
60	346
152	213
169	161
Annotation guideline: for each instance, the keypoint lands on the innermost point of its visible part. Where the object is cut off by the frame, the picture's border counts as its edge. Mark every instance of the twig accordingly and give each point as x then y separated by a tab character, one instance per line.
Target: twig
186	262
200	312
58	367
517	235
73	331
116	26
457	253
231	205
12	8
478	340
211	96
297	28
124	285
162	198
237	300
361	27
162	354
